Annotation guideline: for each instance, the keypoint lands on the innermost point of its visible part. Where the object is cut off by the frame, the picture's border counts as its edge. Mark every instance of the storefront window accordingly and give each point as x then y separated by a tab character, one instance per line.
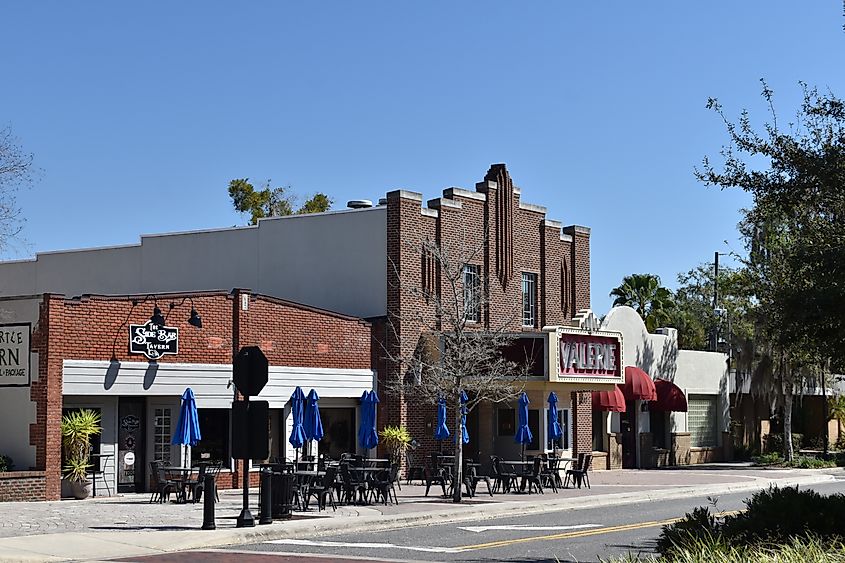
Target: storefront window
534	426
214	446
561	443
657	422
701	420
599	430
338	432
506	419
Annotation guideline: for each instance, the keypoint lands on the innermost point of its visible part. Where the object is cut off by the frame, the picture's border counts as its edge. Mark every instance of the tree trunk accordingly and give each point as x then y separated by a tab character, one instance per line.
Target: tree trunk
788	452
459	451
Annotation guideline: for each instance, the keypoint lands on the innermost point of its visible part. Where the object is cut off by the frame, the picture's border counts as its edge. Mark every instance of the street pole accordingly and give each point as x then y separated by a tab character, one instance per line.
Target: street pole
824	414
245	518
715	345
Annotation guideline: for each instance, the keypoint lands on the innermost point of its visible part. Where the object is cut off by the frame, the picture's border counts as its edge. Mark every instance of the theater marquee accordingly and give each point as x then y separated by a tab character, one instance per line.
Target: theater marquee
14	355
584	356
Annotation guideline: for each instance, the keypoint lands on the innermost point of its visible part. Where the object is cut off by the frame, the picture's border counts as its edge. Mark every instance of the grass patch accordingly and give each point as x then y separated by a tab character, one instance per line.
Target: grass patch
717	550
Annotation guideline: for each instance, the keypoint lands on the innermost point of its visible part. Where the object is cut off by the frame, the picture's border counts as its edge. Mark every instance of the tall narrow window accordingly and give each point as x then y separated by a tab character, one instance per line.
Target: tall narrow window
529	299
472	293
161	435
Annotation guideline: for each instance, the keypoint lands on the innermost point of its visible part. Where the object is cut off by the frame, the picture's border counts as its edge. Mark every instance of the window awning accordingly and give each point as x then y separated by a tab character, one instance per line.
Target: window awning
669	397
638	385
613	401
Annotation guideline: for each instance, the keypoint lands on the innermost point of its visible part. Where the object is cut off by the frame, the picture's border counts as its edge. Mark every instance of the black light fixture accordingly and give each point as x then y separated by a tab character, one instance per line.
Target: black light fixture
195	319
157	317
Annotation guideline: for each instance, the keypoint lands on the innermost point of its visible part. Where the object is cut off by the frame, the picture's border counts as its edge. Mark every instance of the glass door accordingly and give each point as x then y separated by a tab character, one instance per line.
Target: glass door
130	445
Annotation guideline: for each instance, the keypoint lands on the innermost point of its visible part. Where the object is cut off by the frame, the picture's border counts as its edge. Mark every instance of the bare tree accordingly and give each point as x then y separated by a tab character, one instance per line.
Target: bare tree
458	351
16	170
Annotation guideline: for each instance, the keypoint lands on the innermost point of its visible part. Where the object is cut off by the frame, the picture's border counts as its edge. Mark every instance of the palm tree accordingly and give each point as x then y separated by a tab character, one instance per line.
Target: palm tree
644	293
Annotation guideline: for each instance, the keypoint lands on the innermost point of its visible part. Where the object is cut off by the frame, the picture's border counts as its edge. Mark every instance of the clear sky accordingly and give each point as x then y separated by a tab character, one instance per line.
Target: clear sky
140	113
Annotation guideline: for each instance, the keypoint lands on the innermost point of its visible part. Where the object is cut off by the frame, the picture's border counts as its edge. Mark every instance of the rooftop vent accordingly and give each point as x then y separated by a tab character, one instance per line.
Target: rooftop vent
382	201
359	204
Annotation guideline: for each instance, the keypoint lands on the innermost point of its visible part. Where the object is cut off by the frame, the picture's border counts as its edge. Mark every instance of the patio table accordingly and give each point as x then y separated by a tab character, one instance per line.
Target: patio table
180	474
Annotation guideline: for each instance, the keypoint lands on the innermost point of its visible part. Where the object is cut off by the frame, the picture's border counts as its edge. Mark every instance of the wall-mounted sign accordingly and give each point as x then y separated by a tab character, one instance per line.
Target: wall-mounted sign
153	340
587	356
14	355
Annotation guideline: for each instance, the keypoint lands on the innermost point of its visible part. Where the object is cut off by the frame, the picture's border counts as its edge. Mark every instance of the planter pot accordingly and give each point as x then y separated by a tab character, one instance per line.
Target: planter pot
76	489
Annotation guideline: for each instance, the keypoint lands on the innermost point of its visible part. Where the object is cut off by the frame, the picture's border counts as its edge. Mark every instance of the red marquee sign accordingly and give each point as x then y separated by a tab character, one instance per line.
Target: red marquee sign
589	355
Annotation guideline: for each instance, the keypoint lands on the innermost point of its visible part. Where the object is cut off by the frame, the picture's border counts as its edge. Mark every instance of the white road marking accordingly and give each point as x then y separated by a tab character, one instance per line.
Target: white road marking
478	529
365	545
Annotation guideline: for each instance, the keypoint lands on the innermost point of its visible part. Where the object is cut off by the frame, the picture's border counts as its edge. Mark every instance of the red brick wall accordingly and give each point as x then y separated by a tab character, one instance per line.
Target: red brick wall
23	486
582	422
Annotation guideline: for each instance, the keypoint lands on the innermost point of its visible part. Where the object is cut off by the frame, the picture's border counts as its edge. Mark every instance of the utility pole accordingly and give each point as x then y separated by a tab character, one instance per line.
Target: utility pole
715	341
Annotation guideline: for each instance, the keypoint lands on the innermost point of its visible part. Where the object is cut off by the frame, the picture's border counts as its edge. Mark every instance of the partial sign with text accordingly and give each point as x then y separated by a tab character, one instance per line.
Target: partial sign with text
14	355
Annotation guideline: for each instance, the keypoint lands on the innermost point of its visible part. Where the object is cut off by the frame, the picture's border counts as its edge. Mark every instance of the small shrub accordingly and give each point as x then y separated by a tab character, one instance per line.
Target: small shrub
806	462
774	517
697	526
778	514
772	458
774	442
6	463
813	443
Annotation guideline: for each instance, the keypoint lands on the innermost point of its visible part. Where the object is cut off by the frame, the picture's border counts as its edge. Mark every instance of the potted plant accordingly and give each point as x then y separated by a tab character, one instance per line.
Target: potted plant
77	429
396	440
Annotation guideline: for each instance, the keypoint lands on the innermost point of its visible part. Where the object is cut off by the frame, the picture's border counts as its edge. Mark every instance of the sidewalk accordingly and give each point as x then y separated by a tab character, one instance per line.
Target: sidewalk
127	525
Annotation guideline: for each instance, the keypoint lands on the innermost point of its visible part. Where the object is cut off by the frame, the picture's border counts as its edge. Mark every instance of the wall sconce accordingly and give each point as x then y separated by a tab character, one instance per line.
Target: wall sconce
194	320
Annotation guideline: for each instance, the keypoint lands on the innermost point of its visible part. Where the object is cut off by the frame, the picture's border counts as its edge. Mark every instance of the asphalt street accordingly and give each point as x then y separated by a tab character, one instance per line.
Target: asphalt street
571	535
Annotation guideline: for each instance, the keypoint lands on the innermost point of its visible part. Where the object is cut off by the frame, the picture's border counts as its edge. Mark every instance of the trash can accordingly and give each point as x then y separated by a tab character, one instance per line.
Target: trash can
282	494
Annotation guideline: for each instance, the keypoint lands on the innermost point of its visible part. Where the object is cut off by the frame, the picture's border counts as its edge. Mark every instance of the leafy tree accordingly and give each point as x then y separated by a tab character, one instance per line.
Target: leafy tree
272	202
794	235
16	170
697	322
644	293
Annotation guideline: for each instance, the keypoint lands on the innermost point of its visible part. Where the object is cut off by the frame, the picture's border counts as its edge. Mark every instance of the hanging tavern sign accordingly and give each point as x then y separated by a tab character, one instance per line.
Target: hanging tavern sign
153	340
589	356
14	355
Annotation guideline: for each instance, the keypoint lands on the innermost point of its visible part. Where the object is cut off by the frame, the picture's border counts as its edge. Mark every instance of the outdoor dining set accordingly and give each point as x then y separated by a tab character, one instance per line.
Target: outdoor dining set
528	475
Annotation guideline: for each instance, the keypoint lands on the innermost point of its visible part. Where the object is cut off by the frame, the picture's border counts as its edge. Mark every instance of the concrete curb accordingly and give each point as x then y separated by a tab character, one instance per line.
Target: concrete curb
98	545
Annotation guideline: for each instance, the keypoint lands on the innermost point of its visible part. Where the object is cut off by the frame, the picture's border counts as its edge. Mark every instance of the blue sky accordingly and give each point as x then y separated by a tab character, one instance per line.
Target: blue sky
140	113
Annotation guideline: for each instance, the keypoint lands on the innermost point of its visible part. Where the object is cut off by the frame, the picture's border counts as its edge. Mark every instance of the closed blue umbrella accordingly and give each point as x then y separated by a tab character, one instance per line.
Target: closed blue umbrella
523	433
297	407
464	433
369	435
441	431
364	413
187	431
555	431
313	426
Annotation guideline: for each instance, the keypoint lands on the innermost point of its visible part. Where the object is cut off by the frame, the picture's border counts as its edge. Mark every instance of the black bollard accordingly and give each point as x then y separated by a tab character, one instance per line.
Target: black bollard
266	515
209	489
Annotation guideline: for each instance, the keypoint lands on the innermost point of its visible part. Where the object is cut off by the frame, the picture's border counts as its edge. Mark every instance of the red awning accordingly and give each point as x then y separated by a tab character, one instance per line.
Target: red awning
613	401
669	397
638	385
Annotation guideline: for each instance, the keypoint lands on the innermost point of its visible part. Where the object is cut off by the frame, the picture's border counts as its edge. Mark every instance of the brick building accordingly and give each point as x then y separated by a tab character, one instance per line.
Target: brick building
355	262
81	359
527	262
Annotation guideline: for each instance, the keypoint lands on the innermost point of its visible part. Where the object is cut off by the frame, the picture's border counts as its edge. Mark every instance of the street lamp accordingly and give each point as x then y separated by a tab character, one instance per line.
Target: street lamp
716	309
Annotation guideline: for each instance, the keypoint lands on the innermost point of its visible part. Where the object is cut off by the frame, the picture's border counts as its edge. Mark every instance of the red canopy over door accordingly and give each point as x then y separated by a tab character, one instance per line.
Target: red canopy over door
638	385
669	397
613	401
